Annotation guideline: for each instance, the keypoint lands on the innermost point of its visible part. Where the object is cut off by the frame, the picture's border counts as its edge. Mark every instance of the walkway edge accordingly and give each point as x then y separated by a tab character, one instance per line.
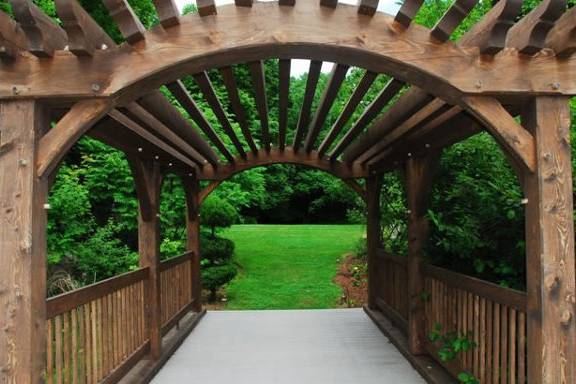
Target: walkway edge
429	369
146	369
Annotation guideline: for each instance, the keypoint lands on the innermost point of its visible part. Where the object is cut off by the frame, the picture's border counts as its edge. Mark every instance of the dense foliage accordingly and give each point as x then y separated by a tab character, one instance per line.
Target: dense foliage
476	211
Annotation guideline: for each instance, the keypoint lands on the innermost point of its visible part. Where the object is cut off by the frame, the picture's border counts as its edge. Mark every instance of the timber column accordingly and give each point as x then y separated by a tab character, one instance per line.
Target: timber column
373	234
419	176
22	244
550	264
148	179
192	190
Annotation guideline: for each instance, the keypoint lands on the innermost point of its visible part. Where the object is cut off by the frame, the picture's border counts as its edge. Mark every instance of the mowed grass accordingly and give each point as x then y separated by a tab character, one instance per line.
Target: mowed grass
288	266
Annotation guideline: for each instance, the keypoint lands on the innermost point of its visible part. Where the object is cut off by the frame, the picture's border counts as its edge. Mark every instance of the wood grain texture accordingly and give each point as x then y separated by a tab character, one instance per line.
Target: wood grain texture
85	36
451	19
44	36
489	34
528	35
562	37
304	117
12	38
192	194
550	245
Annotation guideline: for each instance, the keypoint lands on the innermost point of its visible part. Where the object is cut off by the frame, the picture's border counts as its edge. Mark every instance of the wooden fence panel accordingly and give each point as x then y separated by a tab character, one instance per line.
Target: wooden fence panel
175	289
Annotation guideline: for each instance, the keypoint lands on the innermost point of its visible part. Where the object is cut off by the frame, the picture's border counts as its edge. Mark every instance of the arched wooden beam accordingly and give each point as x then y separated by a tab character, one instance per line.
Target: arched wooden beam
511	135
276	156
356	187
204	193
339	36
58	140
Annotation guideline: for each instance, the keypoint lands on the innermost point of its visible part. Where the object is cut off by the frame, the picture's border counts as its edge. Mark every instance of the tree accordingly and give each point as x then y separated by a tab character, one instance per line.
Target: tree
217	213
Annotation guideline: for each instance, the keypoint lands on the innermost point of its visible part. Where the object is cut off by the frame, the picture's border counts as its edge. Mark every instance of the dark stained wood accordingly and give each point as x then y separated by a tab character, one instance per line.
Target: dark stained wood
550	245
84	35
192	193
206	7
162	131
369	114
288	156
419	177
167	12
489	34
54	145
44	36
174	261
232	89
12	38
329	3
335	80
289	3
355	99
562	37
259	83
373	237
407	12
163	110
206	191
356	187
130	26
210	95
368	7
22	245
182	95
283	97
451	19
511	135
243	3
529	34
304	118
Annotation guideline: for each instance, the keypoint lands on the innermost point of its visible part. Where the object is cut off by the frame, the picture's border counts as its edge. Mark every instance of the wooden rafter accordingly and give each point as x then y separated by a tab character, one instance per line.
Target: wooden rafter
304	118
259	84
207	89
232	88
206	7
351	106
335	80
368	7
562	37
451	19
12	38
283	97
167	12
407	11
130	26
182	95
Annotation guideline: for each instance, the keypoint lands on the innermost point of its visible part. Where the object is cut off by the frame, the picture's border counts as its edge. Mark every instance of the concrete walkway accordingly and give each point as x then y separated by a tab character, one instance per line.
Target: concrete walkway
287	347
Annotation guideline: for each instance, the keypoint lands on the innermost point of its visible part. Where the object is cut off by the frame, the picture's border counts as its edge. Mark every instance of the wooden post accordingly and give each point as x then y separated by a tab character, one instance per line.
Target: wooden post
418	183
192	188
148	179
550	245
373	234
22	244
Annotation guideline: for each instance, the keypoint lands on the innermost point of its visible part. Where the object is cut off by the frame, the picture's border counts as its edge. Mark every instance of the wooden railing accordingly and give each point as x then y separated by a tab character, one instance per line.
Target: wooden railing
175	289
393	296
459	307
95	333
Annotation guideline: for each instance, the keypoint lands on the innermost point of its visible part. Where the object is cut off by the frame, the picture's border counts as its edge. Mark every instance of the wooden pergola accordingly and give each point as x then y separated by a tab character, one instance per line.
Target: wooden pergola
512	78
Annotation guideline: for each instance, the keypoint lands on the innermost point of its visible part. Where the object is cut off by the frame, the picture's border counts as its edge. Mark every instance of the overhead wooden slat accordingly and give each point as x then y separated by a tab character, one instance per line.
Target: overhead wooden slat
232	89
411	101
243	3
335	80
369	114
179	91
451	19
130	26
283	96
43	35
329	3
167	12
368	7
408	11
12	38
163	110
562	37
355	99
210	95
259	82
287	2
206	7
84	35
142	132
403	129
432	124
529	34
162	130
517	140
489	34
304	118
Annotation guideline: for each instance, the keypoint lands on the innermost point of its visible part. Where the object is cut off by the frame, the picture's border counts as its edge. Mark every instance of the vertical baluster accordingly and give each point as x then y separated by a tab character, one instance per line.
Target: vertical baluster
521	348
489	341
58	355
94	337
470	360
87	343
496	359
49	352
74	326
482	338
512	347
104	322
476	349
504	345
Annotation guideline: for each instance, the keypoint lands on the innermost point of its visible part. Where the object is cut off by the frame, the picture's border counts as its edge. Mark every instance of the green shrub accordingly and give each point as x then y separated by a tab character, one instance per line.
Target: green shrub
216	276
217	213
216	250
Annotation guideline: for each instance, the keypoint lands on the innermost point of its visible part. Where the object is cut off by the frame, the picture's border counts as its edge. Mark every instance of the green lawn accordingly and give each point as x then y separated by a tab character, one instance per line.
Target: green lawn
288	266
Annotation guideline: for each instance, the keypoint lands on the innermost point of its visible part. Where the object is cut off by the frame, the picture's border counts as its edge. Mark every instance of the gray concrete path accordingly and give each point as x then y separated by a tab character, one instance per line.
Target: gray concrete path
340	346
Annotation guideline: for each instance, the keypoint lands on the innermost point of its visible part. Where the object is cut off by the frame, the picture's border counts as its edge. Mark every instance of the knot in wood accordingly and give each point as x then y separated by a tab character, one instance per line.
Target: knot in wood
552	282
566	318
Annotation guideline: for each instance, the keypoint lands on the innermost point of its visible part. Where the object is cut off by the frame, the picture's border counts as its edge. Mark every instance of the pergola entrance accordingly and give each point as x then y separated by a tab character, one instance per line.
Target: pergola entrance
74	74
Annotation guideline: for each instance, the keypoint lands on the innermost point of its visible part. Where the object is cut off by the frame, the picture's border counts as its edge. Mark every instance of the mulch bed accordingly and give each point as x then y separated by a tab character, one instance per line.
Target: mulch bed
354	284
